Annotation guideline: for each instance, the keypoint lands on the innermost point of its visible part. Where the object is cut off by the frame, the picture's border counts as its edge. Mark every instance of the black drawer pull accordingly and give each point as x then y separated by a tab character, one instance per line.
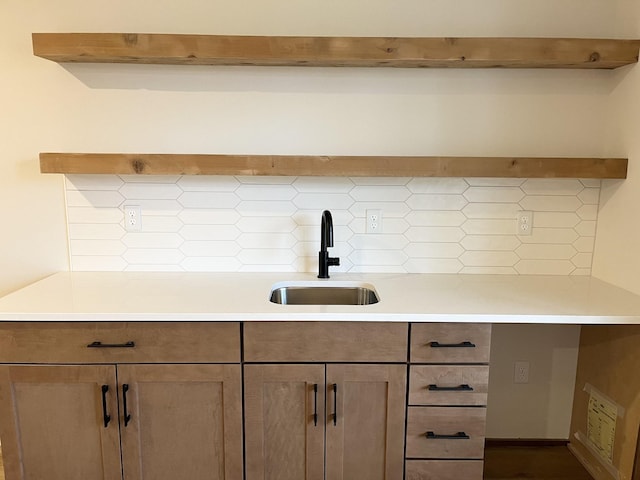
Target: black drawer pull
460	388
106	418
335	404
456	436
111	345
452	345
126	415
315	404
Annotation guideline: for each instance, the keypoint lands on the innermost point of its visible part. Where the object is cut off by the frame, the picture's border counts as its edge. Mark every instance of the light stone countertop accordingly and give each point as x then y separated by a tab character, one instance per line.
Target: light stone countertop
115	296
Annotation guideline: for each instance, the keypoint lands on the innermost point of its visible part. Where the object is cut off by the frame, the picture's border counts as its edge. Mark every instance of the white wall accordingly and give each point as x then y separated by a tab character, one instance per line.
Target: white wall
616	257
48	107
32	218
542	407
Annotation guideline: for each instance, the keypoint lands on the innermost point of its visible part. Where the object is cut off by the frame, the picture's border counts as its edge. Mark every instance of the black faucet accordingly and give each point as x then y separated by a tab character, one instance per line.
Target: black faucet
326	240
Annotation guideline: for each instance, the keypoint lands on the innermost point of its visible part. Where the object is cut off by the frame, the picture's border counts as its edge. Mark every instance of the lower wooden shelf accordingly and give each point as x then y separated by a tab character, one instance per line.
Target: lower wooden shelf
324	165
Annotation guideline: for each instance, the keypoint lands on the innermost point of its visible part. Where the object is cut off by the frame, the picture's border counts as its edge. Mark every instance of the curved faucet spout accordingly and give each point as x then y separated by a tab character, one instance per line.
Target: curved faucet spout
326	241
326	231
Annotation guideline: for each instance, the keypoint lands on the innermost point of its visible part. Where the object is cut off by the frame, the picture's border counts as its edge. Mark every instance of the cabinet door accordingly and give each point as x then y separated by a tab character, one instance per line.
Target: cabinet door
53	424
365	421
284	422
185	422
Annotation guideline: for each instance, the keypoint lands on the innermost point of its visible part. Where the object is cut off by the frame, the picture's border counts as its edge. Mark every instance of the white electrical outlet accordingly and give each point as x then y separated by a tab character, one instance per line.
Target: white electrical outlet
132	218
521	372
374	221
524	223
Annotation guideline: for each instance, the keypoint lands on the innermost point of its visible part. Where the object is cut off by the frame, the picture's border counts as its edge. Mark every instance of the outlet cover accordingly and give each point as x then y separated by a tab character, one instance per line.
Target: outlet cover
524	223
374	221
132	218
521	372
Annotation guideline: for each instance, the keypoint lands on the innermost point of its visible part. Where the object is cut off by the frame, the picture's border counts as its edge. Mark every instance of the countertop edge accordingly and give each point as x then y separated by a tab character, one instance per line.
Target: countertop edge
315	317
235	297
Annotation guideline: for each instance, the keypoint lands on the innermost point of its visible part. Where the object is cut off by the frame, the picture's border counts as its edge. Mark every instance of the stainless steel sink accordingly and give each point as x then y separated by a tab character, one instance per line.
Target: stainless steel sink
324	293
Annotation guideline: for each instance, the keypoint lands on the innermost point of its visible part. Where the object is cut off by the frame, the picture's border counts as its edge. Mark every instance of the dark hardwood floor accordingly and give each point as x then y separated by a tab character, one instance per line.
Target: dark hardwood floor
532	463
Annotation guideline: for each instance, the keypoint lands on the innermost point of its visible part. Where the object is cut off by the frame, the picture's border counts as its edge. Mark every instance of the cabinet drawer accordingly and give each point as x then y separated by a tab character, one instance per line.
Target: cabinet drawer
448	385
167	342
450	342
454	432
444	469
325	342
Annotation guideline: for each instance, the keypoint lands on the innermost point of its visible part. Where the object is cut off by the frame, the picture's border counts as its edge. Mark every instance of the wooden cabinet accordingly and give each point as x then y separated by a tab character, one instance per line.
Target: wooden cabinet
322	400
325	342
365	421
284	421
443	469
447	385
181	421
151	421
450	343
119	342
52	424
294	413
446	415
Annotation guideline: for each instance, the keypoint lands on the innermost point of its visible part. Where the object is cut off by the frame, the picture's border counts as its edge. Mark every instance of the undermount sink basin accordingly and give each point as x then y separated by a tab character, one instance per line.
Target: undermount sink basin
323	293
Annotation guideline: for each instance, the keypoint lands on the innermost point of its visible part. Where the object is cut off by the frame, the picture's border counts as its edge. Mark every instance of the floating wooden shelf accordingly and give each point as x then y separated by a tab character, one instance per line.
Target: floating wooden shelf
335	51
347	166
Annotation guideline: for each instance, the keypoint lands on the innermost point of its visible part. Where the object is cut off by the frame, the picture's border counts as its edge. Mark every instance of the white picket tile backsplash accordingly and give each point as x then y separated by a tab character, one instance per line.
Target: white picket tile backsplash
430	225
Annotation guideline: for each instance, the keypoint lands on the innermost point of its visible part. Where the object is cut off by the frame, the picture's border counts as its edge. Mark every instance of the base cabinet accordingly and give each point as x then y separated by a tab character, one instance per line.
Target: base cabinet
294	412
365	424
444	469
446	414
121	400
251	401
181	421
53	426
164	421
284	422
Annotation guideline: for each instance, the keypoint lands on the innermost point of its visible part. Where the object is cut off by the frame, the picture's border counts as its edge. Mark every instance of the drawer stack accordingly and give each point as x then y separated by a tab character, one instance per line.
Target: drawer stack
449	376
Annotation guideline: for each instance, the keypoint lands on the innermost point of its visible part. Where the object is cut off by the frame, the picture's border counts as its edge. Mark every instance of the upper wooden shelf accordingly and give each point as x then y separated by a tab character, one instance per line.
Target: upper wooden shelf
347	166
335	51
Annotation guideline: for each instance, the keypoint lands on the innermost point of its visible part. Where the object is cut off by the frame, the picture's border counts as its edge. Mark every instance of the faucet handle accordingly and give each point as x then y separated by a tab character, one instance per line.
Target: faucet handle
334	261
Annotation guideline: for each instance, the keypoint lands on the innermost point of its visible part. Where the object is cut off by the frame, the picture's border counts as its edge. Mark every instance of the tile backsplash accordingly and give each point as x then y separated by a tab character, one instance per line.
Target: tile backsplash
429	225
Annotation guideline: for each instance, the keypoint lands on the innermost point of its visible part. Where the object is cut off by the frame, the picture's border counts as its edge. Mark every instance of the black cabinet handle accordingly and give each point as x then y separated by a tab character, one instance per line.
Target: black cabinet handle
335	404
126	415
460	388
315	404
451	345
106	418
456	436
111	345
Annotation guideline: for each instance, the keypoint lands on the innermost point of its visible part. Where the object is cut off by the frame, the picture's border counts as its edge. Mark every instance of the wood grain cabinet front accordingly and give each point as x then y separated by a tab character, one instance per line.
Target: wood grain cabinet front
296	413
321	401
59	422
69	422
445	432
338	416
325	342
450	342
444	469
121	421
448	387
119	342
